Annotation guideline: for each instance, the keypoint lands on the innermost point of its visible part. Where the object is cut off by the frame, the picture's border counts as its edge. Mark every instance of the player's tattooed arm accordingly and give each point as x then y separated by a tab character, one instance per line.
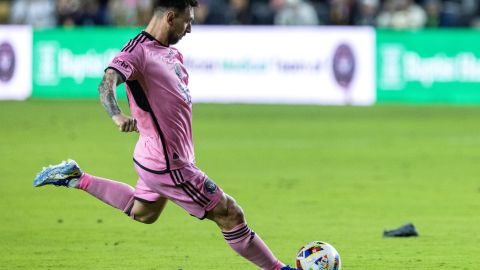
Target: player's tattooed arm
107	88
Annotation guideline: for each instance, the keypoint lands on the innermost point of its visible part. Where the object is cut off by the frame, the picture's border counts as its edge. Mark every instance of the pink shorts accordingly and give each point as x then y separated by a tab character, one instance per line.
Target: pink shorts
187	187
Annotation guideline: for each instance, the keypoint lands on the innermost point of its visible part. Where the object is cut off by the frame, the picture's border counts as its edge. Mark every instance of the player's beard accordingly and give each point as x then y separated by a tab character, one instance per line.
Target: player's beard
174	38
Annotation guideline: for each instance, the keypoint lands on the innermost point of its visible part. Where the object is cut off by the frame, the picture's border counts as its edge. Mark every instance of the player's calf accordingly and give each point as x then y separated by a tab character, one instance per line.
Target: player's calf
230	218
147	212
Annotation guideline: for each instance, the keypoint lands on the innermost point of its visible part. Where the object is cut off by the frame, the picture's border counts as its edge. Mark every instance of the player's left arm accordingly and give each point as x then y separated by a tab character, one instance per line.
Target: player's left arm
106	88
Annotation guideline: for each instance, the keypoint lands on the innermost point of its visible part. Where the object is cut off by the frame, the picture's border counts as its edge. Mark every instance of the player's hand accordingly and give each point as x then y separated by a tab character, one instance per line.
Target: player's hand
125	123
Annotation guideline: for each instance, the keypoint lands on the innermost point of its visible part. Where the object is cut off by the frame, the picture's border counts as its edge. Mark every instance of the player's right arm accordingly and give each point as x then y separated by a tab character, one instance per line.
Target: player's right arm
106	88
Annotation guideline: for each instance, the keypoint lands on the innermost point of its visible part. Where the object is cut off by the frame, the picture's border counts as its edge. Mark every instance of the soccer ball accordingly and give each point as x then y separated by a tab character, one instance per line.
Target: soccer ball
318	255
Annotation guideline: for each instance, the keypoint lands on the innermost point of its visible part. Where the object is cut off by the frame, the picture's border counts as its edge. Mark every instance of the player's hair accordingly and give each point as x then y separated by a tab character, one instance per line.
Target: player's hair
175	4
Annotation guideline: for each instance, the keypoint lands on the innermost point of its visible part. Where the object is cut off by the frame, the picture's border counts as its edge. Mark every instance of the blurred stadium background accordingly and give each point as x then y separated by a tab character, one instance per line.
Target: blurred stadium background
348	117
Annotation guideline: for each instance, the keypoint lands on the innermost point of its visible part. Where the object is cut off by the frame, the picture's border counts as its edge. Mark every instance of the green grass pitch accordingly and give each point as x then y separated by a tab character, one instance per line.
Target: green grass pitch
301	173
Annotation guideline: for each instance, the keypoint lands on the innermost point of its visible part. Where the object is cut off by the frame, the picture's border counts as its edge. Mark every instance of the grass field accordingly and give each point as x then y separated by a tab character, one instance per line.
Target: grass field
301	173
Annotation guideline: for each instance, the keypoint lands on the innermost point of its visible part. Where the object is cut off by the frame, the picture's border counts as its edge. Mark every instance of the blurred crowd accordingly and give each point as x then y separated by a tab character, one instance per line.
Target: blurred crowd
399	14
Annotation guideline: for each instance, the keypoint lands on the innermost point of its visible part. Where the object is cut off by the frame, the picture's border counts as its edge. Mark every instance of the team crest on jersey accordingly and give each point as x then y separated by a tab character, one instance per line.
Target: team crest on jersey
170	58
183	89
210	186
178	71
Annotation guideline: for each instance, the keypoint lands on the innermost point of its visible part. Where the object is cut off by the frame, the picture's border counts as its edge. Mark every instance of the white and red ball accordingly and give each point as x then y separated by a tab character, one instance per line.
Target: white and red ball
318	255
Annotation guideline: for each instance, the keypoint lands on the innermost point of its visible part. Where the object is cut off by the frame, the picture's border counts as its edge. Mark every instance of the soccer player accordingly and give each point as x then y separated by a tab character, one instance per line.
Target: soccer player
161	107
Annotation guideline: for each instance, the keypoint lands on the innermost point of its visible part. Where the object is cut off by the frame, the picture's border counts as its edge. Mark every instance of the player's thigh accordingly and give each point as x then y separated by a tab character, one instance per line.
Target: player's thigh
148	212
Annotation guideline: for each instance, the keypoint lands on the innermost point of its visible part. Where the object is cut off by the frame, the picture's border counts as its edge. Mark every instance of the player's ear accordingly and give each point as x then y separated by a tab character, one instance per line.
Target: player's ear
170	16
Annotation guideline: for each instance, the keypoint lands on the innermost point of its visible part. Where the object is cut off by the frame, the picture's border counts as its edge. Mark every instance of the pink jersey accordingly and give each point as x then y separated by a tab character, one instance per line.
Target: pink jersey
157	90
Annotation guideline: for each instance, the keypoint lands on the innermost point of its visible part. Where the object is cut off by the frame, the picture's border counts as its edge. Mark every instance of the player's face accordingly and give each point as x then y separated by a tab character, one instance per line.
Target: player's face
182	24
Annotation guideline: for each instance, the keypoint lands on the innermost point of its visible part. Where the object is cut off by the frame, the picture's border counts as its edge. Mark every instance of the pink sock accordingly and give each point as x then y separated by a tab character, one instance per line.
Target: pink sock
249	245
116	194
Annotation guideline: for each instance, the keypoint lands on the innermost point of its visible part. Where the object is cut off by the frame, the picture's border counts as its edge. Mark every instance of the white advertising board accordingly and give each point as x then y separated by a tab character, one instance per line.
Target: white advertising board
15	62
312	65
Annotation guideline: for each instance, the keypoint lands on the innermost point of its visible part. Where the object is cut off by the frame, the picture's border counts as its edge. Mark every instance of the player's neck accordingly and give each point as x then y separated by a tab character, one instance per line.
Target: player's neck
155	29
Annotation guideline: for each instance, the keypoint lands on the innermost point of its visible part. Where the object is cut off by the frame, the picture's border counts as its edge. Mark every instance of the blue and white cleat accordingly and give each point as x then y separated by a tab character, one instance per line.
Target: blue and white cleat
287	267
64	174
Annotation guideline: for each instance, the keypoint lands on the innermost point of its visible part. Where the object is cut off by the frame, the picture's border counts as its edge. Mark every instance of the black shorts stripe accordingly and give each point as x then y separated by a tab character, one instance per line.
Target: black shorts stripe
129	210
192	196
193	187
143	200
176	182
174	179
189	186
177	176
201	196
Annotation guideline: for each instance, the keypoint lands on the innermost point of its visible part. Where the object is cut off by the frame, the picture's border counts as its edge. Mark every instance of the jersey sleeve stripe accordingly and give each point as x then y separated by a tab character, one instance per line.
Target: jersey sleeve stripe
130	43
138	41
134	43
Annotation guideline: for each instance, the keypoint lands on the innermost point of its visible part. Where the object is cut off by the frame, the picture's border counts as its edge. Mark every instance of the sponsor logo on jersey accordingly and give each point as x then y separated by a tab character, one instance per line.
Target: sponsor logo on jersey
121	63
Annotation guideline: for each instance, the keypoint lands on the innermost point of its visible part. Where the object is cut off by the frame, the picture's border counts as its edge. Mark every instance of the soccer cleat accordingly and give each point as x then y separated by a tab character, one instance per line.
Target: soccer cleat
64	174
406	230
287	267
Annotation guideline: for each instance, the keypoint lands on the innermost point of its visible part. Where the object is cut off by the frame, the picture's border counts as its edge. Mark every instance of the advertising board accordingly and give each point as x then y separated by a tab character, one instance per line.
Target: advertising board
15	62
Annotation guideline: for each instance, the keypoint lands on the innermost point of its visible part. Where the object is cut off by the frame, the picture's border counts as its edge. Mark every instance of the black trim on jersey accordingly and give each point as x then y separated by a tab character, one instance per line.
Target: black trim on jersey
152	38
139	95
118	71
150	170
130	43
143	200
138	42
138	39
136	88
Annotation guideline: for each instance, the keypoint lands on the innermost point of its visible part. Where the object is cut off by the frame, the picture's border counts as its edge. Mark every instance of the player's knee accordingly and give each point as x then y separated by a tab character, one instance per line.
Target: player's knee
227	214
146	219
235	212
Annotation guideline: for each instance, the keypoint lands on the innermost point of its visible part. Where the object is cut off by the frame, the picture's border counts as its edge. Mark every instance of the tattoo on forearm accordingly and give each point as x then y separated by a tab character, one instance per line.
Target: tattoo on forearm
107	95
